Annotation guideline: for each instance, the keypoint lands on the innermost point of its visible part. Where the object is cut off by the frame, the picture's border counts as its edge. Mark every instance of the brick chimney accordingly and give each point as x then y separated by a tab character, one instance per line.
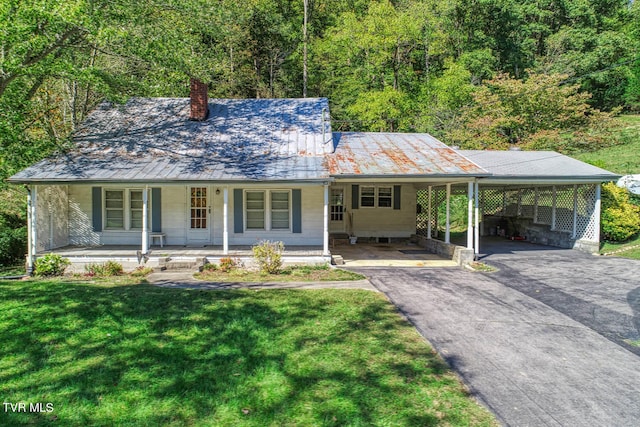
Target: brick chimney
199	101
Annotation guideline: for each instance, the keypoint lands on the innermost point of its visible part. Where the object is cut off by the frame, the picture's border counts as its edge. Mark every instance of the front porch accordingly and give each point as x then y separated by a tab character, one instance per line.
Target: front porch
128	255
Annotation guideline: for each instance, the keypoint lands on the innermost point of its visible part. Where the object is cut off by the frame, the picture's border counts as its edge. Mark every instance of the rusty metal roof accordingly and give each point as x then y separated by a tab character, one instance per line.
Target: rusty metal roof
373	154
152	140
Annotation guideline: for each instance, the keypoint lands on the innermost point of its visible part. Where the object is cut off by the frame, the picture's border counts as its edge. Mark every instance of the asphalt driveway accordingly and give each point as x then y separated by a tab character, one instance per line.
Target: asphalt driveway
542	342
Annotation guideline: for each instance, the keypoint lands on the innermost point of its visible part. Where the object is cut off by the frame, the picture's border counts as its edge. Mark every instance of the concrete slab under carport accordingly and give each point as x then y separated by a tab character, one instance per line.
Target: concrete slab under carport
405	254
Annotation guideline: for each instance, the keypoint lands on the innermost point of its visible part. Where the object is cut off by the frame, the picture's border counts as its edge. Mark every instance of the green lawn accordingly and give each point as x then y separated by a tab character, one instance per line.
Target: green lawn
621	159
628	249
122	354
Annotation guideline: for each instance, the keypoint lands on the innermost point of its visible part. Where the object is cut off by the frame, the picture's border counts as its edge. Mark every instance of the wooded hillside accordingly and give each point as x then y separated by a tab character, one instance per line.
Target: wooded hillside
482	73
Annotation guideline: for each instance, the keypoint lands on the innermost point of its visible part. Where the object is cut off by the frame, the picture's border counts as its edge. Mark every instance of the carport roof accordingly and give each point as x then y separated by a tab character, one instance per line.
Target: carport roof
535	166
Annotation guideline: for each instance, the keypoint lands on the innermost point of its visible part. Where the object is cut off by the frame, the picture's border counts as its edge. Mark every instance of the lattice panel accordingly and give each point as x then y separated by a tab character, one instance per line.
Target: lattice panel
527	202
587	226
511	202
492	202
564	208
544	212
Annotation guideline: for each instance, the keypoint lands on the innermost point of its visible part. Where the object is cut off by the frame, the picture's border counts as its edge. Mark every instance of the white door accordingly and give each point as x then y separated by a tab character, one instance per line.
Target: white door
336	210
199	217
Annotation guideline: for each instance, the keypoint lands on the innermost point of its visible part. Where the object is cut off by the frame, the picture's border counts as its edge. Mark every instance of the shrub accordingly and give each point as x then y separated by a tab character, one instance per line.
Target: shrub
210	267
13	245
227	264
620	218
268	255
51	265
109	268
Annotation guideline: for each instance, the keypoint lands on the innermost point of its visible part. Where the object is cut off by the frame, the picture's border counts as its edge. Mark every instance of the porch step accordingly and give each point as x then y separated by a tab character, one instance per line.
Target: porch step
192	264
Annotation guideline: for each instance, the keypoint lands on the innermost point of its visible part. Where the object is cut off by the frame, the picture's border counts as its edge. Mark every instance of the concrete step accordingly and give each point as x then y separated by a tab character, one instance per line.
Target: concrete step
182	264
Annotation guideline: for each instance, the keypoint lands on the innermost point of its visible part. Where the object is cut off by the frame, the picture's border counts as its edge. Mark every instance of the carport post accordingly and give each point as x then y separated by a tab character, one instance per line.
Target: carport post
476	229
429	215
575	212
596	211
447	233
470	231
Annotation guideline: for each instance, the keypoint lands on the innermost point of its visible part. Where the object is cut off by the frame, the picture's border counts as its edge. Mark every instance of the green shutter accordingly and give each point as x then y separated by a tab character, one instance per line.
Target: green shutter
238	223
296	208
156	210
396	196
96	208
355	196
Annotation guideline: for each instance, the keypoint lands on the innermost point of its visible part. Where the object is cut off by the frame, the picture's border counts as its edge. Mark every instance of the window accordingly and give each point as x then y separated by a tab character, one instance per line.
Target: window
371	197
123	209
135	205
114	207
268	210
368	197
279	210
384	197
255	210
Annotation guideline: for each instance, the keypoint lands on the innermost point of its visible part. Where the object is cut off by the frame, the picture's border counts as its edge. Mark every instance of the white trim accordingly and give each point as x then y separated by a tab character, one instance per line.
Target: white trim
145	220
470	230
225	221
126	209
325	231
447	232
376	196
429	214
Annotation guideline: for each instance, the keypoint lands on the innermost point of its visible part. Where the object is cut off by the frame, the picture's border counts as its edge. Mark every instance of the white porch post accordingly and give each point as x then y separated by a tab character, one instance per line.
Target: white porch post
225	222
596	213
429	215
470	231
447	233
145	222
476	230
31	229
553	209
325	234
575	212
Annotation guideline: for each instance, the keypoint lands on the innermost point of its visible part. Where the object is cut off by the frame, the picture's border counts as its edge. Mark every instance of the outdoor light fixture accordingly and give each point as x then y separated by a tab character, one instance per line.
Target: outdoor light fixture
217	191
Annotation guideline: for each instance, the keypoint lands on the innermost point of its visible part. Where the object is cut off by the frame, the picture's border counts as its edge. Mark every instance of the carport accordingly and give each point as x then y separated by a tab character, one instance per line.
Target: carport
539	196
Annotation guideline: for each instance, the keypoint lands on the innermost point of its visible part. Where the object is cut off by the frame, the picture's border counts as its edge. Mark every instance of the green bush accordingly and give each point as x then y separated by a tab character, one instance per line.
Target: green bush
109	268
620	217
51	265
13	245
227	264
141	271
268	255
210	267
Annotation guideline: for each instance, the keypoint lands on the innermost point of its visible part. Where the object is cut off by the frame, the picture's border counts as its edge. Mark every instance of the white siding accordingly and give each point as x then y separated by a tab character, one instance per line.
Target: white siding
175	217
382	222
52	223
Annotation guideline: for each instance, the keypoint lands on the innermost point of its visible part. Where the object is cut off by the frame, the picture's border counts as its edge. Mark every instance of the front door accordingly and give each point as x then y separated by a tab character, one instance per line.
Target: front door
337	211
198	215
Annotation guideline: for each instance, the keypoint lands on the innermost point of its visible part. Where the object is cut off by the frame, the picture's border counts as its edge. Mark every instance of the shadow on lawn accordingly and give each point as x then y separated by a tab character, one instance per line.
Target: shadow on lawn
144	355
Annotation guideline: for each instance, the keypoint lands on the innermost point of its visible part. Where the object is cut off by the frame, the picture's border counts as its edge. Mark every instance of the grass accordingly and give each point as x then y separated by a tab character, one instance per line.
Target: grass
321	273
15	270
621	159
121	354
629	249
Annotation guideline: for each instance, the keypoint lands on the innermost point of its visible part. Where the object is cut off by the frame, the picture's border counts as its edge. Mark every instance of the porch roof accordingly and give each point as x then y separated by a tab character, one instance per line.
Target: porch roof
397	155
152	140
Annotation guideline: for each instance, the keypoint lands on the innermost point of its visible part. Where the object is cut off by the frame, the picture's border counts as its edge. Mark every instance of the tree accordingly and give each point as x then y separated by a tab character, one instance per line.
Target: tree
541	112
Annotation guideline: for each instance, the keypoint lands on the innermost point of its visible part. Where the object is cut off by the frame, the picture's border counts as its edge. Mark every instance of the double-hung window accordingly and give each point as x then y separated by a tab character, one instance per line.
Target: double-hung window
114	209
279	210
372	196
255	210
268	210
123	209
